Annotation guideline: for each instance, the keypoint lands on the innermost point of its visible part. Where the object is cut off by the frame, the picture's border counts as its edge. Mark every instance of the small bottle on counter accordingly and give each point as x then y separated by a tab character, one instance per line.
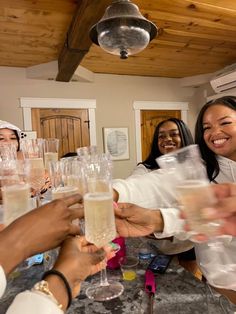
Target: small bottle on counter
144	255
146	252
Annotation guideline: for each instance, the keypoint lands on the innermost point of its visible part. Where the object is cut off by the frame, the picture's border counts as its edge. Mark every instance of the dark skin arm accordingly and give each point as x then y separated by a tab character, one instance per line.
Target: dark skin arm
135	221
39	230
77	260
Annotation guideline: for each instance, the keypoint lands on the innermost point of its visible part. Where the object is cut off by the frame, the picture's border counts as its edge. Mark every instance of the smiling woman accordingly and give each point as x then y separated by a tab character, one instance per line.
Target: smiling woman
216	135
9	133
169	135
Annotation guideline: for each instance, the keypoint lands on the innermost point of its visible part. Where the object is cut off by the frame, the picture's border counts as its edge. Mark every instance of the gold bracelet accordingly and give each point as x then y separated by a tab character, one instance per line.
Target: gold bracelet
42	286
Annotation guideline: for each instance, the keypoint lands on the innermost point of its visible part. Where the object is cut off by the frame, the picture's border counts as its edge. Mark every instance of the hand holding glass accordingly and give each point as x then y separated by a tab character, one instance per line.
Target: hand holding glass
192	186
99	219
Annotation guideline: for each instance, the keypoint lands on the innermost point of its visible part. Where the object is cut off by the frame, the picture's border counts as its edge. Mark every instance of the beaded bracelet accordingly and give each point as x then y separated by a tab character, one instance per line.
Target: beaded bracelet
63	278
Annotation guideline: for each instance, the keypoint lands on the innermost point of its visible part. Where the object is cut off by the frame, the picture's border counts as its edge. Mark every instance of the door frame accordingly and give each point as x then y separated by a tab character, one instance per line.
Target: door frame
154	105
27	103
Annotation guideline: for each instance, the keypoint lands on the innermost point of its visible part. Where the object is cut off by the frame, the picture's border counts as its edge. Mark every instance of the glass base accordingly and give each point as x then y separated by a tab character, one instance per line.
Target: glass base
105	293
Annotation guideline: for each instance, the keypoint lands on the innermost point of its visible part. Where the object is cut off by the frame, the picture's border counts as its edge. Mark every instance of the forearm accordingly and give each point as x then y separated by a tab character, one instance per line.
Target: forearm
57	288
157	219
147	191
10	242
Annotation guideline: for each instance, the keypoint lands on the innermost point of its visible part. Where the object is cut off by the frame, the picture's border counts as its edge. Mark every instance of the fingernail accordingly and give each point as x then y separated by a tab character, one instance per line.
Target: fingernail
199	238
111	255
209	213
115	205
113	246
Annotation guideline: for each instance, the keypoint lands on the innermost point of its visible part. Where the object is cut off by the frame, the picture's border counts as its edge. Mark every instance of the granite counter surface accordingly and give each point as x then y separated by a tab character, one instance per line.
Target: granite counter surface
178	291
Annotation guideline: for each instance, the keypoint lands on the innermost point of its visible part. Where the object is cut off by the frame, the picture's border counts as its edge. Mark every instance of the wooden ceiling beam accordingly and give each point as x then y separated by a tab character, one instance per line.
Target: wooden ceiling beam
77	41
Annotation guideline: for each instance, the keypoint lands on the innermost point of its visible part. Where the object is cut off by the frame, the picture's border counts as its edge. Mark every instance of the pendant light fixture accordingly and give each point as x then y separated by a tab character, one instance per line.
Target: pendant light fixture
123	30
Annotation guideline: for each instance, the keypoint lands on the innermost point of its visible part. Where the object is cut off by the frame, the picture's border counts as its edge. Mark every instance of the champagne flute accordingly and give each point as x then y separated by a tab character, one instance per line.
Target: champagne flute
15	192
50	149
15	195
34	166
8	151
99	219
193	191
58	192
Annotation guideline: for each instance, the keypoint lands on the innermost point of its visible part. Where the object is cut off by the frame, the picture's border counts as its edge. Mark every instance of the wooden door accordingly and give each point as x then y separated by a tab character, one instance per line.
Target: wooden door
149	121
70	126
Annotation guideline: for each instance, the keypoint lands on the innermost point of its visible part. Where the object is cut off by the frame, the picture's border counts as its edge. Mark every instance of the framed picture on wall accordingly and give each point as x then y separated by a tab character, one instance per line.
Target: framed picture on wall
116	142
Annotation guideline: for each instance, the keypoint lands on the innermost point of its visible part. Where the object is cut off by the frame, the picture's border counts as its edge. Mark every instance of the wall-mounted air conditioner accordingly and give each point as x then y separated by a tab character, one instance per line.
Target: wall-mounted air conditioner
225	79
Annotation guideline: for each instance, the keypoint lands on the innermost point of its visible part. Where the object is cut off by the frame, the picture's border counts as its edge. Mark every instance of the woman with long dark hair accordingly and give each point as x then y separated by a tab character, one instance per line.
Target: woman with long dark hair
216	137
220	145
144	186
169	135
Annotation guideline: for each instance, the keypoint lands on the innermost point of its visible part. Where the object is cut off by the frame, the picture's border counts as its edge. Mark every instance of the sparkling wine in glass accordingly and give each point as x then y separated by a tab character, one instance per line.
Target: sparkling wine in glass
50	148
193	191
35	176
100	222
99	219
15	192
194	195
34	166
16	201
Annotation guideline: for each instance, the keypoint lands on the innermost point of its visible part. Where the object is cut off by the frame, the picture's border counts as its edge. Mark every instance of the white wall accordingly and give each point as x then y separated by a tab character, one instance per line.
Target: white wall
114	94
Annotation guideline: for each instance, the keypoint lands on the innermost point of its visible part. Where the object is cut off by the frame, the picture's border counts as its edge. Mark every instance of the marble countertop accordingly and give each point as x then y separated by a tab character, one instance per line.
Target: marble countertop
178	291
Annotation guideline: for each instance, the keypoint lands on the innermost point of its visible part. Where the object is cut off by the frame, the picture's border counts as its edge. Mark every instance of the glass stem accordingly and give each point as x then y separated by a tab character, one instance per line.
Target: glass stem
38	200
103	278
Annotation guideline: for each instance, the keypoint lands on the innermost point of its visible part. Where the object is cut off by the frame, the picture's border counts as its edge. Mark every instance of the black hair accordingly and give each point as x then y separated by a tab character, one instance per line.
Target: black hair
18	139
208	155
185	135
70	154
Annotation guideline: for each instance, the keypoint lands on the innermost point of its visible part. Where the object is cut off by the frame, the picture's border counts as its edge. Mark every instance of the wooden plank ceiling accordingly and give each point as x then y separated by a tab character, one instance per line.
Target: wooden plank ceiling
195	37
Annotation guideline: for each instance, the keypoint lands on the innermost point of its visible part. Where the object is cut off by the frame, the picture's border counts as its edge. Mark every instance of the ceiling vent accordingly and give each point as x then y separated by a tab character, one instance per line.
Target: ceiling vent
225	79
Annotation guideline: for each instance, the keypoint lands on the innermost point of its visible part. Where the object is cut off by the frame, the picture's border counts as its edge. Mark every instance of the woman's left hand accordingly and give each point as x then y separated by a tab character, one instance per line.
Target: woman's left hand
77	260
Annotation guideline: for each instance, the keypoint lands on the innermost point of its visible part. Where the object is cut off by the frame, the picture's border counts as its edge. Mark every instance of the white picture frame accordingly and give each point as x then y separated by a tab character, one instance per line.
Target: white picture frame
116	142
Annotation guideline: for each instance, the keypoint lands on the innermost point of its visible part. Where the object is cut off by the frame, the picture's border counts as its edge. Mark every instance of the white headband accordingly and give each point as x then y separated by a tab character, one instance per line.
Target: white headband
7	125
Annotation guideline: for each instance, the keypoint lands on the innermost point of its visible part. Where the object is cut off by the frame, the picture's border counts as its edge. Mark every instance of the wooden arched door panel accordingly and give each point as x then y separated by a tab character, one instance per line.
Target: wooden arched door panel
70	126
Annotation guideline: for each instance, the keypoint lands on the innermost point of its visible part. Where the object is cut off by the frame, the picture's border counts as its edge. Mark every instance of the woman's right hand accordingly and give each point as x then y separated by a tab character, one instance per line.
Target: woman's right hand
135	221
224	210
